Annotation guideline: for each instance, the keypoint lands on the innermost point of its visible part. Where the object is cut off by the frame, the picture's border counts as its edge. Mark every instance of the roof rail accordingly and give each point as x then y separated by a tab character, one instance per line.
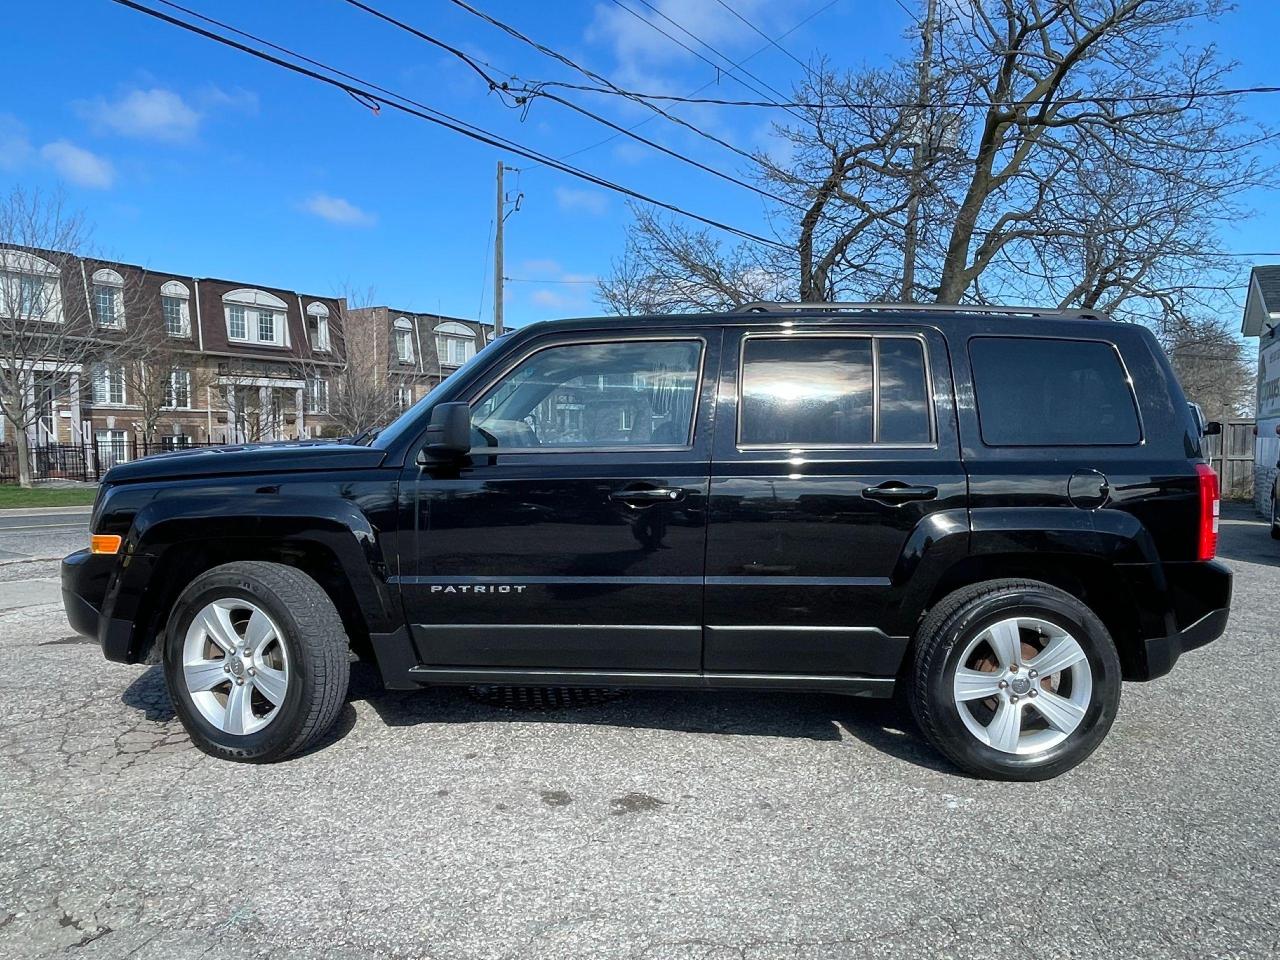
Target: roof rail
771	306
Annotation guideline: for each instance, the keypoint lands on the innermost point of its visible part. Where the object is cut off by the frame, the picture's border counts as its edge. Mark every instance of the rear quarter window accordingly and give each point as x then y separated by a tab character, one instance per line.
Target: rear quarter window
1042	392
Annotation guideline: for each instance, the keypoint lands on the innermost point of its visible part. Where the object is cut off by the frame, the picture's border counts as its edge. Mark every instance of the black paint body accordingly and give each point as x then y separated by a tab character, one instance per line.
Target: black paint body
767	567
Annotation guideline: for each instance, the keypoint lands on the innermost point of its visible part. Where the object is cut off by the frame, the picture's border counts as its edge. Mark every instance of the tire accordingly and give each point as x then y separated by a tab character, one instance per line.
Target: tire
1275	521
266	704
1006	736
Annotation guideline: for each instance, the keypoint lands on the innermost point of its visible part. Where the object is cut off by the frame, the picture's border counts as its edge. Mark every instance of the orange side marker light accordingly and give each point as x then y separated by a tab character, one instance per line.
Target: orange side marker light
105	543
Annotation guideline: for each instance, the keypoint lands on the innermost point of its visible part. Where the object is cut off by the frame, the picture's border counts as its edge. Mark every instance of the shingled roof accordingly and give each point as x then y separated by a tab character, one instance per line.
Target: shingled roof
1262	305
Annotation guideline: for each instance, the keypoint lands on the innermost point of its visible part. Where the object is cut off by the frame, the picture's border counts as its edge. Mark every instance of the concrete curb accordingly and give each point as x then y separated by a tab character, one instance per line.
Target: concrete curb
43	511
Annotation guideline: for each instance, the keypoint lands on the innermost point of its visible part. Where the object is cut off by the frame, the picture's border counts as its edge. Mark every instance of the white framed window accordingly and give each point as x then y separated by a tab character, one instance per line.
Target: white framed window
255	316
108	385
318	325
455	343
317	395
108	299
175	304
29	287
177	390
175	441
404	397
404	340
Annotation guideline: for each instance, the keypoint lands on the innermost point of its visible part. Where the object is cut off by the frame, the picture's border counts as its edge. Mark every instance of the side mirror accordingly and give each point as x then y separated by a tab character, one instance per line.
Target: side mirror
1213	428
449	430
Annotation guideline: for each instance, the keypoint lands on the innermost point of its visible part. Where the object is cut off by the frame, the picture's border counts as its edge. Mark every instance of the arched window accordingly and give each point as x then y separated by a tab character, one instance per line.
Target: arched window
318	325
255	316
175	304
29	287
108	299
404	340
455	343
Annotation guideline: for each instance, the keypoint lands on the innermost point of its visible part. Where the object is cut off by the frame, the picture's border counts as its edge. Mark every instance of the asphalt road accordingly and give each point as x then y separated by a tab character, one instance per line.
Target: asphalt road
51	532
662	825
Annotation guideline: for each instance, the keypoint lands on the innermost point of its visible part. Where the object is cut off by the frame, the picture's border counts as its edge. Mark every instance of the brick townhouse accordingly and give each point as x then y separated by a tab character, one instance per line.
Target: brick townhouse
412	352
237	361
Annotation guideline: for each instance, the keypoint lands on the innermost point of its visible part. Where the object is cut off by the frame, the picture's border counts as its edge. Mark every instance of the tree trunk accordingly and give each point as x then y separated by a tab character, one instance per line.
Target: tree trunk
22	444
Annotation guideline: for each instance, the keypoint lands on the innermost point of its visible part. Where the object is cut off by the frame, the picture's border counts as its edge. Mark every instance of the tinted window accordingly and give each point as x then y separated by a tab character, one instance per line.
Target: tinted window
592	395
1051	393
819	391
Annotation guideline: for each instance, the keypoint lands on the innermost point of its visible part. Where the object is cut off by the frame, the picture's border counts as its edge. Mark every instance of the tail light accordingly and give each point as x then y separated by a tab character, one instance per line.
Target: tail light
1207	538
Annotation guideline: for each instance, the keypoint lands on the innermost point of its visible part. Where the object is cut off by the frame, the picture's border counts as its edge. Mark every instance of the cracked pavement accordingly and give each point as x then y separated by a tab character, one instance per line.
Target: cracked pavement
669	826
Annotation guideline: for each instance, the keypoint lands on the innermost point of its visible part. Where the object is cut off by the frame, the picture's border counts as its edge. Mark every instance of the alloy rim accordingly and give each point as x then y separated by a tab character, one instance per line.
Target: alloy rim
1023	685
235	666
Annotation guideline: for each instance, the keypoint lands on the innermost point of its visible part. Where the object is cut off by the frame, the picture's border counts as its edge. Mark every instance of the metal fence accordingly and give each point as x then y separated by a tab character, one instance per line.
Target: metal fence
1230	453
86	462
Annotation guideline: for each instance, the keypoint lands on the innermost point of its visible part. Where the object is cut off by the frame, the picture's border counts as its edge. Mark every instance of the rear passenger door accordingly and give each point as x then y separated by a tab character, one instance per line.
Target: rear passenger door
836	461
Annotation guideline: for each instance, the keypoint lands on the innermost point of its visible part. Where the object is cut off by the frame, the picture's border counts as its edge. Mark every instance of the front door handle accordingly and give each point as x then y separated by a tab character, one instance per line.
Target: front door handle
648	496
894	492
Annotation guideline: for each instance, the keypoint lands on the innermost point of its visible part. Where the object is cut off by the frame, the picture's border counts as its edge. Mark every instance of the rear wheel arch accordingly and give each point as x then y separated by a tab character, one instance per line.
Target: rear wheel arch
1091	579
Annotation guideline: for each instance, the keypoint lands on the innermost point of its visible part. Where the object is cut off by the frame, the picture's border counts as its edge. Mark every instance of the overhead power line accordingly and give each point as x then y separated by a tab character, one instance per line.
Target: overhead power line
731	72
533	91
1156	96
772	42
371	94
751	56
605	81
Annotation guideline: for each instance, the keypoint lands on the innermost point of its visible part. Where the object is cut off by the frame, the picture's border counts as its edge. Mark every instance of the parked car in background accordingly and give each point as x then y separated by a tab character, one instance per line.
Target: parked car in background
999	514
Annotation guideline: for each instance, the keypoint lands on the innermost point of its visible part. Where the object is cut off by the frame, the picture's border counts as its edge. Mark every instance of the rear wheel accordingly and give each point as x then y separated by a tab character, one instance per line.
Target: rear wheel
256	661
1275	520
1015	680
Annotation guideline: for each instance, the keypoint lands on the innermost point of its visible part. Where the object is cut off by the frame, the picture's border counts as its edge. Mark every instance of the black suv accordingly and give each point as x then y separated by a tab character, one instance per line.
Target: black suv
998	513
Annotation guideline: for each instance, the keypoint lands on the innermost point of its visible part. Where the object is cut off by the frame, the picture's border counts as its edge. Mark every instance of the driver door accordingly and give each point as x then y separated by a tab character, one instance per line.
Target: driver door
572	537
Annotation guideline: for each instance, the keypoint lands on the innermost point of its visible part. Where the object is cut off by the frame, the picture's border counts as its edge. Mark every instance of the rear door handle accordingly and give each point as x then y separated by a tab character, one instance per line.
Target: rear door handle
648	496
895	492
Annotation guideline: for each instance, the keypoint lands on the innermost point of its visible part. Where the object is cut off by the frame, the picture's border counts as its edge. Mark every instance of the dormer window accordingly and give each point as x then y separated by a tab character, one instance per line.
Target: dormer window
108	300
318	326
404	340
175	304
29	288
455	343
255	316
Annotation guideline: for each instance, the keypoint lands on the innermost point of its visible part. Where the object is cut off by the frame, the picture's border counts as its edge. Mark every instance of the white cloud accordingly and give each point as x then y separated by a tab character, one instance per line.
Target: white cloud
15	148
581	201
337	210
237	99
155	114
78	165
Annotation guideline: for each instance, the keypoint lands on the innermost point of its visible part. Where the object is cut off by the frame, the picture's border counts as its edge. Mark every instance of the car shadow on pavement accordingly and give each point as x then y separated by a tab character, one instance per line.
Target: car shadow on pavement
1243	535
881	724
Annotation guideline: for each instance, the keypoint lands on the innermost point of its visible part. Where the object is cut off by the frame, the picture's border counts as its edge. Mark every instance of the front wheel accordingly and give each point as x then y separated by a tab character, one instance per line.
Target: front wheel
256	661
1014	680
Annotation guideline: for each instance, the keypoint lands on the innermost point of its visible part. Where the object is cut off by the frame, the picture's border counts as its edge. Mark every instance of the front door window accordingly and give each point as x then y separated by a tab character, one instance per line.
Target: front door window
592	395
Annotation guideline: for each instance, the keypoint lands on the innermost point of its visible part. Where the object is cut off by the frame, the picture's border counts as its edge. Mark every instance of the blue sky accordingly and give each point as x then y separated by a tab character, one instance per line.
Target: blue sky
193	158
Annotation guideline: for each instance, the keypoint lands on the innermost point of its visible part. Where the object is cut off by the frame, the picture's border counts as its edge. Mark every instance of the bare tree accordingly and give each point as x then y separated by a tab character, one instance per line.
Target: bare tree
1212	366
45	330
1073	152
365	395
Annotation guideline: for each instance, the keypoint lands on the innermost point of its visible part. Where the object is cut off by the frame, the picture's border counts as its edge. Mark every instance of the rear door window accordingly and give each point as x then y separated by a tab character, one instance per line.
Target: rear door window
1042	392
834	391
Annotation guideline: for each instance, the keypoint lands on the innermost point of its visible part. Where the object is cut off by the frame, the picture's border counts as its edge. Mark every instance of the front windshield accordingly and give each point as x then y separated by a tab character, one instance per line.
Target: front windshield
406	421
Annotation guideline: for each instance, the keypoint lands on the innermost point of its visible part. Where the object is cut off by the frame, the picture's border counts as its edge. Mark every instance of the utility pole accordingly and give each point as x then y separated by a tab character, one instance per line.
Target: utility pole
498	285
923	132
500	218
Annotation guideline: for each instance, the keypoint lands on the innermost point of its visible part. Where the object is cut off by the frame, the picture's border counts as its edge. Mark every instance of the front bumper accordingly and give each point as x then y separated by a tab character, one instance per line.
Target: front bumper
82	594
